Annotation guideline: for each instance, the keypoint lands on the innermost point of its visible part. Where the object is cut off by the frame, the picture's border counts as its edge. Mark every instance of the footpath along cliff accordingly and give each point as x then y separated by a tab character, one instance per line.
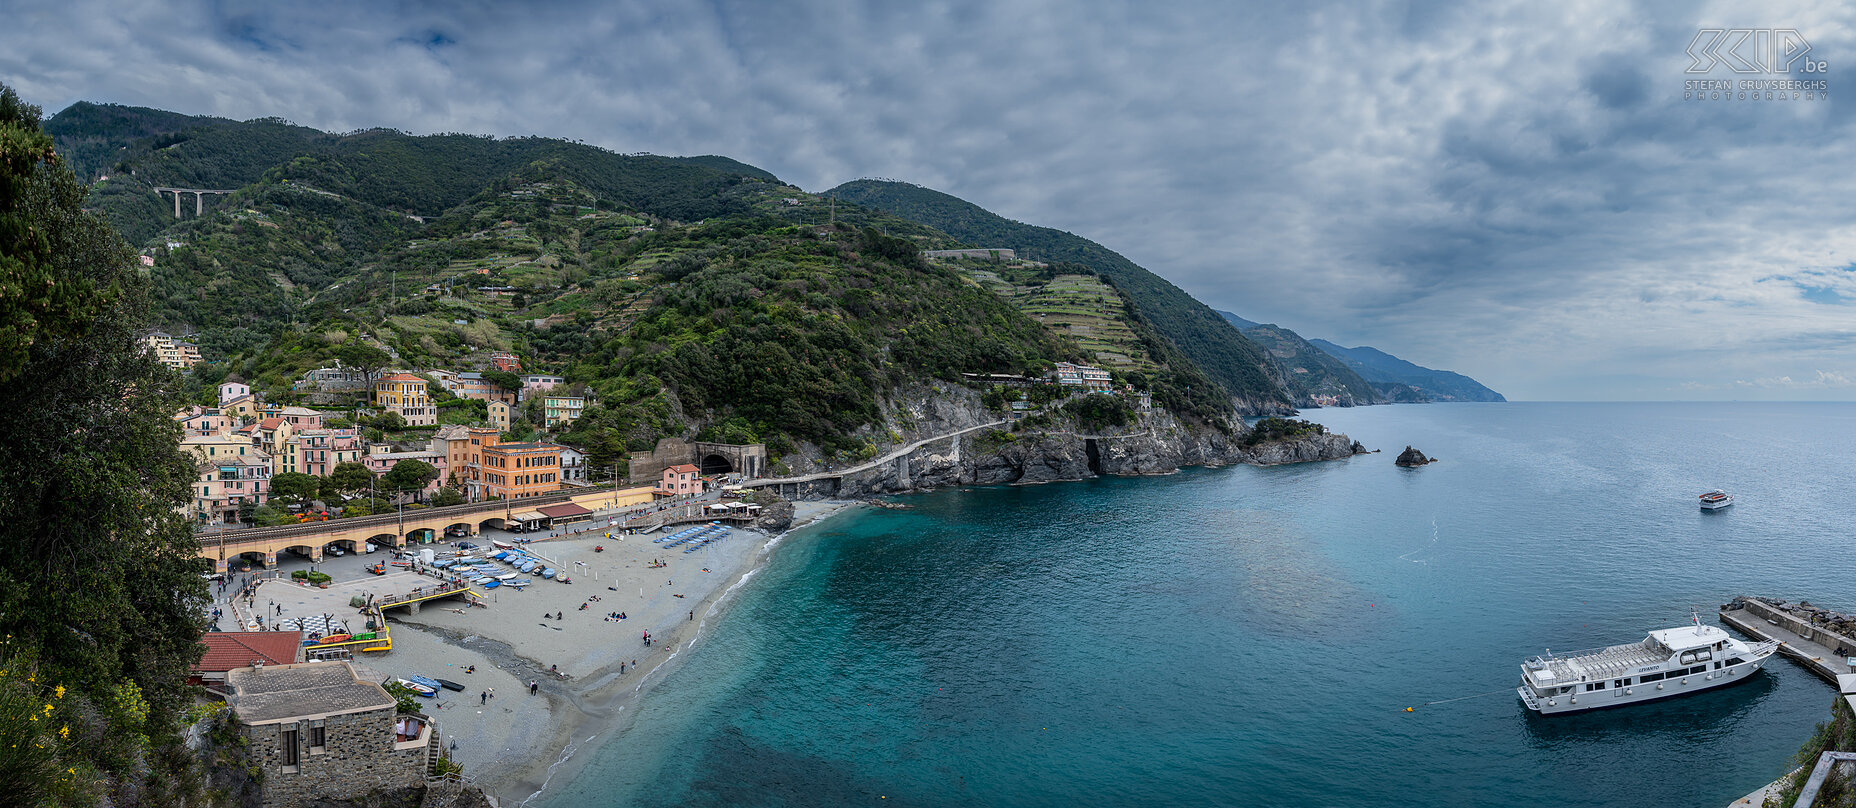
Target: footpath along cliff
985	447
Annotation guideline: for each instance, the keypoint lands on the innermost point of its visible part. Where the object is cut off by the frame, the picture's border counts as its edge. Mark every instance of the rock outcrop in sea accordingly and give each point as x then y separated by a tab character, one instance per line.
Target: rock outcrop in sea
1411	457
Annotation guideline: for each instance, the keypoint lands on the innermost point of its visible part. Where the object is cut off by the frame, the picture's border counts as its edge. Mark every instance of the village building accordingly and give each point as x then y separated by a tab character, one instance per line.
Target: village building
473	385
680	481
517	470
241	407
232	473
381	459
573	465
176	354
321	450
559	410
501	415
198	421
302	417
505	361
337	379
232	390
534	383
1093	379
406	394
317	732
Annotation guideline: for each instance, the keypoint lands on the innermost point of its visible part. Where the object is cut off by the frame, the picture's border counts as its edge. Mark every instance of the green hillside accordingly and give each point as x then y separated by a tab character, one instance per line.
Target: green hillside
1204	337
682	293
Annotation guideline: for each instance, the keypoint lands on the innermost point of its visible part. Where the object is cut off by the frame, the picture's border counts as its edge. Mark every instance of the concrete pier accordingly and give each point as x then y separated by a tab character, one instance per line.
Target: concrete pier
1808	645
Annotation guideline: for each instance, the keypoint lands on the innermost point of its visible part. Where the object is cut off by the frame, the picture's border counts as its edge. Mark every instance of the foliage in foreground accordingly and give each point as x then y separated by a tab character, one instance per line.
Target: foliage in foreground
101	599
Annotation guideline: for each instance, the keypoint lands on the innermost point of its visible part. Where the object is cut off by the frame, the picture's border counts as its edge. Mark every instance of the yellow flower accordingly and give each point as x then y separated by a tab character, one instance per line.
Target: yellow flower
58	691
48	709
64	731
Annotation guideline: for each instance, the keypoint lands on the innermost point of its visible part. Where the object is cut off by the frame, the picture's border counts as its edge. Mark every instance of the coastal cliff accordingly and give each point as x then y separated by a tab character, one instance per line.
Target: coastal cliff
1049	447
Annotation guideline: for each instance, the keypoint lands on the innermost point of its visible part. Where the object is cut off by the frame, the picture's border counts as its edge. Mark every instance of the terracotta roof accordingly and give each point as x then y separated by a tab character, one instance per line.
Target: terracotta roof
686	469
226	650
270	423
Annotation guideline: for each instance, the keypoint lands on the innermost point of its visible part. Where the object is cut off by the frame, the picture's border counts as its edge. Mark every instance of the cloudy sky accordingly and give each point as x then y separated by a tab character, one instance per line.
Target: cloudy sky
1518	191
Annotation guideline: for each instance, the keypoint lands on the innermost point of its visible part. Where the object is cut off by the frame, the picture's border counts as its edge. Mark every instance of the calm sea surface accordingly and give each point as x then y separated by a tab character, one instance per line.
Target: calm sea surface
1251	636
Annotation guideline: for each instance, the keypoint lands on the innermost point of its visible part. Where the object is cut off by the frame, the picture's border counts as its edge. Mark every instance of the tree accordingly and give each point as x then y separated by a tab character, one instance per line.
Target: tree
409	475
100	591
504	379
388	421
447	496
295	486
272	516
351	478
363	357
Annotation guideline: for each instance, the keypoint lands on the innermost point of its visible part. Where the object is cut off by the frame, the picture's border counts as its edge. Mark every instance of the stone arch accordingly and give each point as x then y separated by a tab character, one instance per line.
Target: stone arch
716	464
493	522
454	530
344	545
251	558
421	535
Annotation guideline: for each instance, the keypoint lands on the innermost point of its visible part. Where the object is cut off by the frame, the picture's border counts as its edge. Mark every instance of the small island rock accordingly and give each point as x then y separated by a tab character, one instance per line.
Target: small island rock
1411	457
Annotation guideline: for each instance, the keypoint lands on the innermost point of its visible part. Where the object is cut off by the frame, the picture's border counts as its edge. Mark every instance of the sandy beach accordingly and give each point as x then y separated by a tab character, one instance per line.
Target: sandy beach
510	741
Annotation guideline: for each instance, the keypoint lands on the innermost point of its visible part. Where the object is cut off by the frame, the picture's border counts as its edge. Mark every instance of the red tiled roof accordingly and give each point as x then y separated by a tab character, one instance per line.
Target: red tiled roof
270	423
685	469
226	650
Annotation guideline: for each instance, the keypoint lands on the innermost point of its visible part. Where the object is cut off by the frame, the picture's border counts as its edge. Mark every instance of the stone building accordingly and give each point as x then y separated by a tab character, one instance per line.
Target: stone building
317	731
747	460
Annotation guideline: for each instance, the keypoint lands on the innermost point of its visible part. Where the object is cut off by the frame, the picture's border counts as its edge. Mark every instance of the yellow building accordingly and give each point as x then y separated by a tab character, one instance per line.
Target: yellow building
405	394
499	415
169	351
561	409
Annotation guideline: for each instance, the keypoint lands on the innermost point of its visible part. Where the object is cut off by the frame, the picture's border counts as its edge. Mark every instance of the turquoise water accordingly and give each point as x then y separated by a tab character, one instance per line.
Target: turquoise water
1253	636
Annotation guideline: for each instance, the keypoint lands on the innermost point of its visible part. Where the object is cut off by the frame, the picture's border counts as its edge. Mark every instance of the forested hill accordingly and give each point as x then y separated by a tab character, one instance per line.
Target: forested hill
417	175
1216	346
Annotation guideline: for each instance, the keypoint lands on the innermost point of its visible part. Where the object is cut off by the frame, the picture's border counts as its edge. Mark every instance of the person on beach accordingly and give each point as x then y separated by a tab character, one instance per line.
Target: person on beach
533	686
483	697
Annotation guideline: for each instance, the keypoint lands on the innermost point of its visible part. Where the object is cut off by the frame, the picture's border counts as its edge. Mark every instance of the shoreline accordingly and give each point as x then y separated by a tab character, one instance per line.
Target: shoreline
513	744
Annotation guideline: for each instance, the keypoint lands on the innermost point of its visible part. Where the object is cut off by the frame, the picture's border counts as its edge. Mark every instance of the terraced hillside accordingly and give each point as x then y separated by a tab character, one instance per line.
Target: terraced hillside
1080	306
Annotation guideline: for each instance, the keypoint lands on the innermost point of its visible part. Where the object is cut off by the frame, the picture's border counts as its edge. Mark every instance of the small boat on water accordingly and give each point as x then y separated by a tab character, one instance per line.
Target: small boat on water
1669	662
1716	500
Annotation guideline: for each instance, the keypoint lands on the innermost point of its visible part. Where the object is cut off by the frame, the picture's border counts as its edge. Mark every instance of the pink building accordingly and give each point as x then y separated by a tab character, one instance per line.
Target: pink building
680	481
381	462
228	482
324	449
301	418
198	421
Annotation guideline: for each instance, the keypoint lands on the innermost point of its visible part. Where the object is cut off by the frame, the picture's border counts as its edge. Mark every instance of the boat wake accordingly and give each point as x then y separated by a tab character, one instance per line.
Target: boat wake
1429	547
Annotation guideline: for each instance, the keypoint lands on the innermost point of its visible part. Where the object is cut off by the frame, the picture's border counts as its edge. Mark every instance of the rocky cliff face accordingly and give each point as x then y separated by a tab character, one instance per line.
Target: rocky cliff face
1157	444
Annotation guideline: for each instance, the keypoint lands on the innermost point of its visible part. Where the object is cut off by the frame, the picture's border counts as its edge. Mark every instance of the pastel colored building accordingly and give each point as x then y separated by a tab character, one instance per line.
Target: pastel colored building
558	410
321	450
197	421
406	394
381	459
500	416
681	480
176	354
517	470
534	383
232	472
505	361
232	390
302	417
1089	378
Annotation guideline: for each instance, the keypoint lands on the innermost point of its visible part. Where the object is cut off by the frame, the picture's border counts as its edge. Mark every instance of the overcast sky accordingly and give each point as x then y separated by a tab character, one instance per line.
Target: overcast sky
1517	191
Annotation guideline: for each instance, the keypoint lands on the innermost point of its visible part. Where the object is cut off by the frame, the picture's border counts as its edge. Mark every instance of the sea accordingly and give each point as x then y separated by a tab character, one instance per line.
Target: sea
1345	633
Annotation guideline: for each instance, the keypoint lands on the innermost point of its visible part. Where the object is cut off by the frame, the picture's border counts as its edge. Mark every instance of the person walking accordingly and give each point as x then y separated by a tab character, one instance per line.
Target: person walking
533	686
483	697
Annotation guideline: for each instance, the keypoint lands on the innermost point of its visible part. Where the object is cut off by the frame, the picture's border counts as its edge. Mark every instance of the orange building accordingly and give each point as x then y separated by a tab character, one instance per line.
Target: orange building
516	470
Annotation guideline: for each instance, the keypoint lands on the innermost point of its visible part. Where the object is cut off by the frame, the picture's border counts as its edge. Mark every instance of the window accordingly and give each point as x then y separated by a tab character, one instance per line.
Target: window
1594	686
1621	683
1651	677
1735	661
1698	669
289	747
318	736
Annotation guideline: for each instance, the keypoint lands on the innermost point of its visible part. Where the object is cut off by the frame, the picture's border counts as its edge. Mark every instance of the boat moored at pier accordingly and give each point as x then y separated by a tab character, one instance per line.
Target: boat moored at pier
1669	662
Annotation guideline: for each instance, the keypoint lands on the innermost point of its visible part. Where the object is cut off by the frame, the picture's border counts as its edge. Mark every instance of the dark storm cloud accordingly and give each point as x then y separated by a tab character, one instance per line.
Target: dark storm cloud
1517	191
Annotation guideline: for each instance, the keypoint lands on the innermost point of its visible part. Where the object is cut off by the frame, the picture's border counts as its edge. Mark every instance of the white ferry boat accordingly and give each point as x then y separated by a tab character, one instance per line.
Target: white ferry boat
1669	662
1716	500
